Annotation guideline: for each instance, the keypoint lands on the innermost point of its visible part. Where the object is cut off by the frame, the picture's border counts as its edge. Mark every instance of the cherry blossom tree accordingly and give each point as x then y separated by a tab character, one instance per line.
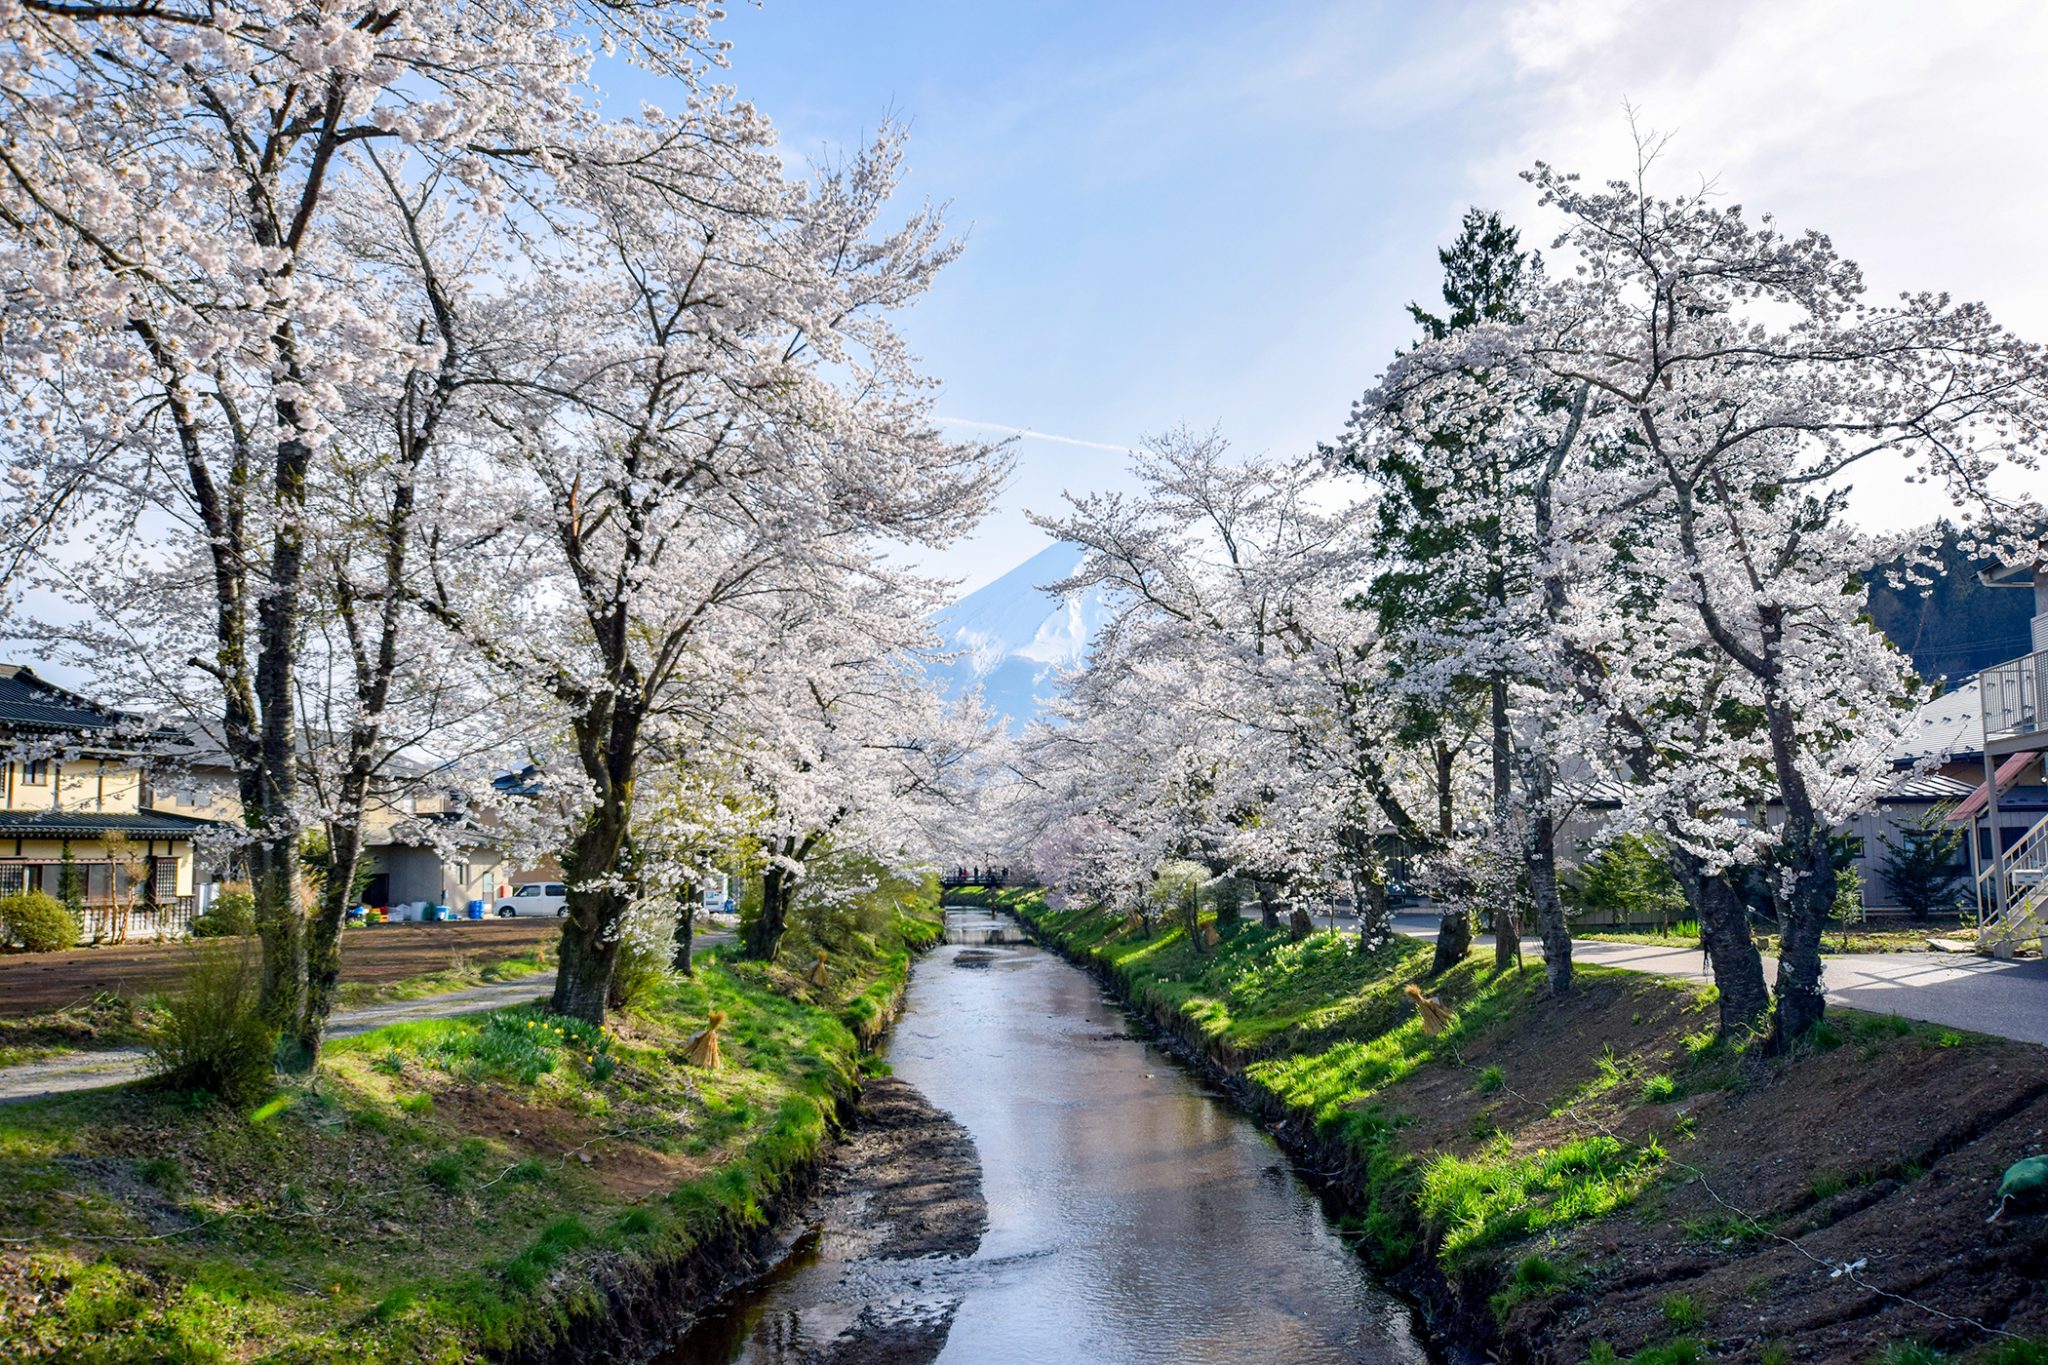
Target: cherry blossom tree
189	324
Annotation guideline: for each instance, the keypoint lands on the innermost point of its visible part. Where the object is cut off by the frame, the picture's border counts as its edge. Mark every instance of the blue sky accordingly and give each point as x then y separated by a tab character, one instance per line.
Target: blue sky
1214	213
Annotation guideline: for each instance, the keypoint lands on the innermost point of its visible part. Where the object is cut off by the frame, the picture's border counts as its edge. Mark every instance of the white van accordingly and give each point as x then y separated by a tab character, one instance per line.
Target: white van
536	898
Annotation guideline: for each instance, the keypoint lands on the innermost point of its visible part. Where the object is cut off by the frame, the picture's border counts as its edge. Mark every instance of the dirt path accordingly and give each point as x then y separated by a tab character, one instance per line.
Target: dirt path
36	983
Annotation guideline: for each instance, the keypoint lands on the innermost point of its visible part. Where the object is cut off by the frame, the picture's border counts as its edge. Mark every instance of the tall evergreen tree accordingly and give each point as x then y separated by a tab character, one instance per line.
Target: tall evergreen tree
1457	540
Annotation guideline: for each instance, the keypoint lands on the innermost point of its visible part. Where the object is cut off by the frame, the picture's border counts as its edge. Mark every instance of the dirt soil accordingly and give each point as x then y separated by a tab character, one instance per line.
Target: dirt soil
898	1207
1882	1152
36	983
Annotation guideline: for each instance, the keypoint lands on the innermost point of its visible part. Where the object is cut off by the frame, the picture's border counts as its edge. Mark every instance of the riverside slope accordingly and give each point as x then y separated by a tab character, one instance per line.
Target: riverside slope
1595	1178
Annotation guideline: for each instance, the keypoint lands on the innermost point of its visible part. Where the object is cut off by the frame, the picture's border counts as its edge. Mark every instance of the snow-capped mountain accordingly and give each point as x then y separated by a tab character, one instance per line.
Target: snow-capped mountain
1011	634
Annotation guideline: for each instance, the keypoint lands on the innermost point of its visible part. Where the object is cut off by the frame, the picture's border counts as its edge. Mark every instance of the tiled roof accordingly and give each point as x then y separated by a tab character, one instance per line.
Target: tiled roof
15	824
27	702
1950	724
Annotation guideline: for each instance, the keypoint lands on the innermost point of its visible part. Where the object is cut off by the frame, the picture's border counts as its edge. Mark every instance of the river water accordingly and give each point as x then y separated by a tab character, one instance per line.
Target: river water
1133	1216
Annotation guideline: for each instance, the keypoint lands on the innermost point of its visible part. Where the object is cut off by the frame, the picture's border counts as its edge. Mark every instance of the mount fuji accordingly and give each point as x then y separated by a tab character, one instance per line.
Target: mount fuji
1011	635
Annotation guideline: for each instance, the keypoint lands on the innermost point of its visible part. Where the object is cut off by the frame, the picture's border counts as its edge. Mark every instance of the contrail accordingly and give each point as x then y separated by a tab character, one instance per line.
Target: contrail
1034	435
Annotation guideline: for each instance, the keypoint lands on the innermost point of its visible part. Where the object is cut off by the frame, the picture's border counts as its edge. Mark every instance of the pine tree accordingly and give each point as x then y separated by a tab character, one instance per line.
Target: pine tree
1921	865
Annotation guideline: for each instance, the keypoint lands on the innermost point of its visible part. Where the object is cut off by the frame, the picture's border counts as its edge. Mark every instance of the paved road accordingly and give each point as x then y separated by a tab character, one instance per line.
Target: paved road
1956	990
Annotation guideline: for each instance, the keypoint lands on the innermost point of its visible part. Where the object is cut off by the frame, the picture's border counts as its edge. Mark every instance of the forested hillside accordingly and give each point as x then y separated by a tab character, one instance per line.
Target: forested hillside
1954	626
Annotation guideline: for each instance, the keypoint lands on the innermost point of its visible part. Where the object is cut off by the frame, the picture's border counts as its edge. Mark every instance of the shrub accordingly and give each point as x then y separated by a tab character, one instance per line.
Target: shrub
232	914
642	966
209	1036
1682	1311
38	922
1490	1080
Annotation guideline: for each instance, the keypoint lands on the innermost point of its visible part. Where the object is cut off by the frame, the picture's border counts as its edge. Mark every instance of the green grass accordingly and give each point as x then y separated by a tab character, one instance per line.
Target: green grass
423	1198
1499	1196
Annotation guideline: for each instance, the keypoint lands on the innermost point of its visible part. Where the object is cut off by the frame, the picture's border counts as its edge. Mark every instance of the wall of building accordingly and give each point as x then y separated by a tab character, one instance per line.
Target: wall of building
85	784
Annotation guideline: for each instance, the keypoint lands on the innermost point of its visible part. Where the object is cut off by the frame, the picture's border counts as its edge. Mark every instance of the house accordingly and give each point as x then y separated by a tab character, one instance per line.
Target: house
423	845
75	815
2006	815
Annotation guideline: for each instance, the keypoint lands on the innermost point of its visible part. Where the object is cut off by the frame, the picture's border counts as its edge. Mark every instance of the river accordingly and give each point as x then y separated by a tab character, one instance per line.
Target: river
1133	1215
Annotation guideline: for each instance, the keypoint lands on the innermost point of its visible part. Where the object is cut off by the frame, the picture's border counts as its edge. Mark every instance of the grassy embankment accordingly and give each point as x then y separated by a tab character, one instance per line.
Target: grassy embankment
1549	1177
441	1189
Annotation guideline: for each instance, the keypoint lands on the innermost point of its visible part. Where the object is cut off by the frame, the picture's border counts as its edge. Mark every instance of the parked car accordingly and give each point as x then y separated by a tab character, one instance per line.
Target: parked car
535	898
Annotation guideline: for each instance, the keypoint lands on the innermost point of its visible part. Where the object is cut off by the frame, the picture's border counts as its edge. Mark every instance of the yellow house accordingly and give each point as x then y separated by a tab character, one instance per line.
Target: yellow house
75	819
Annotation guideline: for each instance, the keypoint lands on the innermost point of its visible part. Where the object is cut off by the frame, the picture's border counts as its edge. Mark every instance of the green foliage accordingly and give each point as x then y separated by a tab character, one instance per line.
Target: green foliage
1951	625
316	856
70	880
2029	1351
230	914
1629	878
1490	1080
38	922
641	967
1922	865
1176	892
1227	895
1498	1196
1659	1089
1533	1277
209	1036
1682	1312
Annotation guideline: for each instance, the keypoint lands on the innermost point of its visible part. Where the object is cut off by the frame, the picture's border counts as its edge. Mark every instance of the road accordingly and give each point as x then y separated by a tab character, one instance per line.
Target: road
1955	990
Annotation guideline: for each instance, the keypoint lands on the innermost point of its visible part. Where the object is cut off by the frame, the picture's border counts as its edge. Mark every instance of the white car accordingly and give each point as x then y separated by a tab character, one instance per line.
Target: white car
535	898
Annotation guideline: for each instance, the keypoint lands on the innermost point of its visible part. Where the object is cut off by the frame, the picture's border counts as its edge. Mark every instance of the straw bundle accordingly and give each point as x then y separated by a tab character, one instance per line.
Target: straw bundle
702	1049
1436	1015
818	975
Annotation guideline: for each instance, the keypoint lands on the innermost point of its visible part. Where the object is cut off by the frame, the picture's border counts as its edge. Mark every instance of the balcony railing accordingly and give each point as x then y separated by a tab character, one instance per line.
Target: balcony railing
2014	697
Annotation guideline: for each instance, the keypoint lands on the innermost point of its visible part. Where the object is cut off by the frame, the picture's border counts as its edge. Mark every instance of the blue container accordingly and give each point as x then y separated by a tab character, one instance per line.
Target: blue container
476	909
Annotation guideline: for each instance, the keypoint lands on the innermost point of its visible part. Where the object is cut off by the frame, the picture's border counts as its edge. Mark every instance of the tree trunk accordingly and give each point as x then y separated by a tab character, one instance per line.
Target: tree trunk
1269	908
1454	924
764	935
1507	922
1810	896
1453	941
687	900
1541	842
323	937
1539	855
597	904
1802	999
1737	967
1375	923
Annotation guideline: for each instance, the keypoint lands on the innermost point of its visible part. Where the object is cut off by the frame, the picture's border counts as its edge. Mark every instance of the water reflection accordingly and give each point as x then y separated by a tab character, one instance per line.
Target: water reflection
1132	1217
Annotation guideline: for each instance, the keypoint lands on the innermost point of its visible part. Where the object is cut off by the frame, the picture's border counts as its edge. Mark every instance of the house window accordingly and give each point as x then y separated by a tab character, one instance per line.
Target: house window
164	880
36	773
13	879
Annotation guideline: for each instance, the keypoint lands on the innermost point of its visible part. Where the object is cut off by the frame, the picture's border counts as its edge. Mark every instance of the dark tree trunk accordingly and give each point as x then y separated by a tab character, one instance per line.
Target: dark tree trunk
1454	923
1507	914
1269	907
323	935
686	928
764	935
1539	855
1299	925
1375	923
1737	967
1801	998
590	943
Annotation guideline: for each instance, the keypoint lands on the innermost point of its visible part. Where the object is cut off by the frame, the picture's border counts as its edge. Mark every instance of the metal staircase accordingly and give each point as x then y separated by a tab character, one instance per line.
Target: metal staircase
2015	915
